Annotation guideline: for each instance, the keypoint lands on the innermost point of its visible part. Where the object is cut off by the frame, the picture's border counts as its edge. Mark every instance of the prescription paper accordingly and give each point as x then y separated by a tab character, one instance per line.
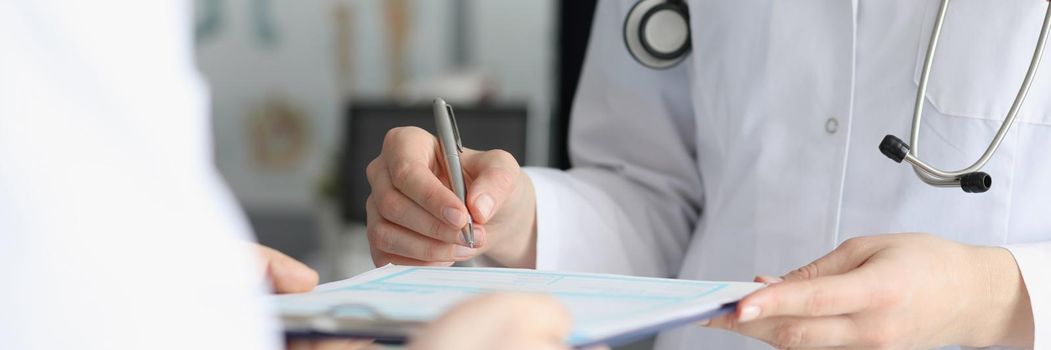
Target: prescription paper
605	308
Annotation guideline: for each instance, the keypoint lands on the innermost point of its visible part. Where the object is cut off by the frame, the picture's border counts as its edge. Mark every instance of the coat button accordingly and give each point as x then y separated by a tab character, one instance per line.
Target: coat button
831	125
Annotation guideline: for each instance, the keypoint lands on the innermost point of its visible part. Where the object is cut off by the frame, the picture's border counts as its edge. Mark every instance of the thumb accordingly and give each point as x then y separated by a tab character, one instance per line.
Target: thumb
848	256
498	321
496	175
287	275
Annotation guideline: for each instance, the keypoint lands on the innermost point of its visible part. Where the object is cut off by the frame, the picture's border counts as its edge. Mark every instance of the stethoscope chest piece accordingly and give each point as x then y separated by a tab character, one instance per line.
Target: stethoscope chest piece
657	32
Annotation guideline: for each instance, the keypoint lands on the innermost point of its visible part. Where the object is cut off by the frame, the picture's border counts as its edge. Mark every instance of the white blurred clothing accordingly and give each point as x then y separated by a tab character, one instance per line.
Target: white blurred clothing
116	231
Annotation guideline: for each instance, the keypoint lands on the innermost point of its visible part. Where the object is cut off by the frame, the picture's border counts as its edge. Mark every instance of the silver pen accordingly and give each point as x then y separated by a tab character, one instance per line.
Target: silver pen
449	141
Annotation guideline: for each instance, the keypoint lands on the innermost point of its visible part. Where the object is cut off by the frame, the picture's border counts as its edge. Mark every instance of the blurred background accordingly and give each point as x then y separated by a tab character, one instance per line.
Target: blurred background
303	92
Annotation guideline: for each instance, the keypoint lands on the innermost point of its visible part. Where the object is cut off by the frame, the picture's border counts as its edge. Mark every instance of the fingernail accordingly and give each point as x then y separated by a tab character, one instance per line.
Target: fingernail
748	313
454	216
770	279
484	203
479	236
463	252
705	322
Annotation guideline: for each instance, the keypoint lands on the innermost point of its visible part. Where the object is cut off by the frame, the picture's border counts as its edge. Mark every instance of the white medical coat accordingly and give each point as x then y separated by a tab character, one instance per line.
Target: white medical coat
116	231
759	153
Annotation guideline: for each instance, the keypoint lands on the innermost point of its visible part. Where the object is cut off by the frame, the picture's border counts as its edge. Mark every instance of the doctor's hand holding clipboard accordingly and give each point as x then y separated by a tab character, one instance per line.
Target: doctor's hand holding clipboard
895	291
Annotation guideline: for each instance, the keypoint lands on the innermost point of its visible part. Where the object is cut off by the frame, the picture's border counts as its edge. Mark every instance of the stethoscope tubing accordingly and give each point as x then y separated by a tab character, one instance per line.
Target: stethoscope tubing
938	177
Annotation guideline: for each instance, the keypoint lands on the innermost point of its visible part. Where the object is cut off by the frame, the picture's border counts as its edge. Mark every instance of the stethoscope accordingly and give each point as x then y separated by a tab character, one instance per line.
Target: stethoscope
657	34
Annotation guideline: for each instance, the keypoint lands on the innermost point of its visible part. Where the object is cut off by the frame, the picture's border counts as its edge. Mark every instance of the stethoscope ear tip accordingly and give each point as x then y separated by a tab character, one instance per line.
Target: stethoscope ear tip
894	148
976	182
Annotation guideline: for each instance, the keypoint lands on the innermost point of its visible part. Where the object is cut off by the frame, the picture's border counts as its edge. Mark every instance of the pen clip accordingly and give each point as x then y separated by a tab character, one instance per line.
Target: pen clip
456	129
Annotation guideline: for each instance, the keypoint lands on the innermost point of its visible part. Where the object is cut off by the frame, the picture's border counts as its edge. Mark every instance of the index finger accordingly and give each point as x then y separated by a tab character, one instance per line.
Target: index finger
410	153
824	296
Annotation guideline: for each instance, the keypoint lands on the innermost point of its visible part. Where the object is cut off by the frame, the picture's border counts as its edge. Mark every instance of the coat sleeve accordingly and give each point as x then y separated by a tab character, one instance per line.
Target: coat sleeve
633	196
1034	262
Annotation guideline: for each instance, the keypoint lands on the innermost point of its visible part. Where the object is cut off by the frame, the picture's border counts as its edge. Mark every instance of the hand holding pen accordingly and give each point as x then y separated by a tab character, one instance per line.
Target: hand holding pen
415	216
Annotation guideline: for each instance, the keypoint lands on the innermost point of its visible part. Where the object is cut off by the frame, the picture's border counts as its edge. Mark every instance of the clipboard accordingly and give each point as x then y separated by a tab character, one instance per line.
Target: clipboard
393	332
392	304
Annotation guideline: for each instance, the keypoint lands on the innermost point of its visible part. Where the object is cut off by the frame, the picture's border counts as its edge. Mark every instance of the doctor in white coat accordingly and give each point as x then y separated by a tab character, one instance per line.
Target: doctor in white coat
758	155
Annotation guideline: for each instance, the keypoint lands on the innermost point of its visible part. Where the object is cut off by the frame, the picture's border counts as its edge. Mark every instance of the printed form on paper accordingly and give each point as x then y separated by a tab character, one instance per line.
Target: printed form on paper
390	302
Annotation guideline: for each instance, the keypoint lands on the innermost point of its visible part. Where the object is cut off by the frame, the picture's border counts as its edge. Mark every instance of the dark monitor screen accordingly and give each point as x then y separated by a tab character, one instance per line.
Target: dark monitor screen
481	128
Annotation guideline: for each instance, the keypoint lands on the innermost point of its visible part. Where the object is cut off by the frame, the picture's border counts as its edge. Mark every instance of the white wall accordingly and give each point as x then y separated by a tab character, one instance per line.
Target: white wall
515	40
